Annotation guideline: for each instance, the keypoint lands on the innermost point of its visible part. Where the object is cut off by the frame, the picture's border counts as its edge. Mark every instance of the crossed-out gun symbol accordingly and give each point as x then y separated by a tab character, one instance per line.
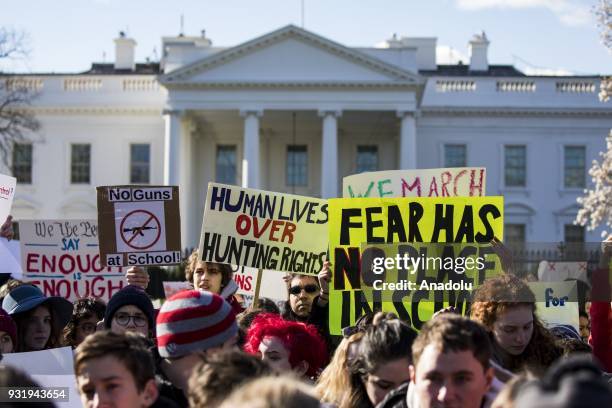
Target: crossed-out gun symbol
138	230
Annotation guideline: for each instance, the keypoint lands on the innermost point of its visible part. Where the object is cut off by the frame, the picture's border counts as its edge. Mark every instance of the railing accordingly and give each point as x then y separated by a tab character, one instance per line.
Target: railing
455	86
516	86
576	86
140	85
82	84
29	84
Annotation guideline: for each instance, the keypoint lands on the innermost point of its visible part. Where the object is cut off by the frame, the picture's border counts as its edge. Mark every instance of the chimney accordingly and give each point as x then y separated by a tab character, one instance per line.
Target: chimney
124	52
479	45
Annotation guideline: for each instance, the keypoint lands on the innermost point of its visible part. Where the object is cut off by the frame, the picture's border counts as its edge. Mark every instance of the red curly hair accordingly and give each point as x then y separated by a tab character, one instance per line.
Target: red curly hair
303	341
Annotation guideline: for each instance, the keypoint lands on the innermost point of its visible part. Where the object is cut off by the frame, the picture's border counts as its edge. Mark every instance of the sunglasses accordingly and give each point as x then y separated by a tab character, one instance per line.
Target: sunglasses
296	290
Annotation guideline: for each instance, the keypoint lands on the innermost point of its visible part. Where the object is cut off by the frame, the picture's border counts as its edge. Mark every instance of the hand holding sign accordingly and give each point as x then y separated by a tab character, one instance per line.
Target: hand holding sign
137	276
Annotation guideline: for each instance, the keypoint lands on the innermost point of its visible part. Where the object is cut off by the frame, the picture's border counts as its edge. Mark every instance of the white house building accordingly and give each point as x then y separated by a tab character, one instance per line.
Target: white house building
292	111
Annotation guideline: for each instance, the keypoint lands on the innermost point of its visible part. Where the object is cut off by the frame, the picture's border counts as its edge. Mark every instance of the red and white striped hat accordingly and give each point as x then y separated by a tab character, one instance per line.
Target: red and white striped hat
193	320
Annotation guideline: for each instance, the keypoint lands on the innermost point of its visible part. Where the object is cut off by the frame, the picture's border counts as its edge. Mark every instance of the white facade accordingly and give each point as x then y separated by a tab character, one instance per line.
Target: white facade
292	87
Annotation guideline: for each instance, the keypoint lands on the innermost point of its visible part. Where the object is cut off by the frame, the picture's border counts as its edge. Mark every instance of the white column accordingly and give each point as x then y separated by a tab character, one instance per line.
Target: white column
250	154
172	148
408	145
329	154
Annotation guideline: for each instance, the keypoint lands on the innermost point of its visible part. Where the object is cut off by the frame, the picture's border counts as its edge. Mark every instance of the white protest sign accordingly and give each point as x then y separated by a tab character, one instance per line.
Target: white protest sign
556	303
49	368
7	192
549	271
443	182
273	285
172	287
61	258
10	258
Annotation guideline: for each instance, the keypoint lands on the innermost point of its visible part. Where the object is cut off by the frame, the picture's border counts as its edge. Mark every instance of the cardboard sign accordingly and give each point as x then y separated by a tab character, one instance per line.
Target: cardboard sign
49	368
61	258
354	222
444	182
264	230
173	287
7	192
10	258
549	271
273	285
556	303
139	225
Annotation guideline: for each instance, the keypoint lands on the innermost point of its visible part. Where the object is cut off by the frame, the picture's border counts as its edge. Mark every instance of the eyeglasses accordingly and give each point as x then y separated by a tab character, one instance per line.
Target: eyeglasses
124	319
296	290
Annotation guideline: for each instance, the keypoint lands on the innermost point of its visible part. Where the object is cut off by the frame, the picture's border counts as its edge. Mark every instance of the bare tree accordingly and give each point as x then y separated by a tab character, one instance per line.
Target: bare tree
16	94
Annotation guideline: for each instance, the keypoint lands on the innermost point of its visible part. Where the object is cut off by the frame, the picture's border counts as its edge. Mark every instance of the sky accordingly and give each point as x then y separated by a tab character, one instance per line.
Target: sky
537	36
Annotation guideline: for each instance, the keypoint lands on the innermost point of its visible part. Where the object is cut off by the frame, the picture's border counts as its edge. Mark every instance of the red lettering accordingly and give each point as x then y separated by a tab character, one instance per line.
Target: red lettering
83	262
31	261
98	290
76	286
240	228
457	177
275	228
247	283
48	287
62	264
96	265
417	184
256	231
288	232
445	181
62	283
112	288
433	187
48	264
474	186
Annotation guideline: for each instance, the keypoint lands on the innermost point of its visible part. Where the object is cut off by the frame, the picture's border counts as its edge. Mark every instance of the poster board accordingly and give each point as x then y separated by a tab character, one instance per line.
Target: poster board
556	303
7	193
139	225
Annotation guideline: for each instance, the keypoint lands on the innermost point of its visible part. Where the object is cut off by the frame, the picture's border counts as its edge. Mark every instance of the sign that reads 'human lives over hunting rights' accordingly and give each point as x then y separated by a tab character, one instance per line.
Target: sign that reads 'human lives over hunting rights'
139	225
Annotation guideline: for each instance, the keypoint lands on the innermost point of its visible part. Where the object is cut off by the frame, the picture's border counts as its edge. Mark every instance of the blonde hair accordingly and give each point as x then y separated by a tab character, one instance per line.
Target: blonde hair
335	380
273	392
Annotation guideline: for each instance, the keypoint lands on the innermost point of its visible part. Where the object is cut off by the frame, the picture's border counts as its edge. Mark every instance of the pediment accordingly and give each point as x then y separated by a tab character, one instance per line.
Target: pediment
290	55
519	209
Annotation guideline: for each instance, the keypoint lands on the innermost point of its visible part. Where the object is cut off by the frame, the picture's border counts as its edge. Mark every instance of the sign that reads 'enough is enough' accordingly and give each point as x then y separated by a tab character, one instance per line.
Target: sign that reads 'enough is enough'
139	225
264	230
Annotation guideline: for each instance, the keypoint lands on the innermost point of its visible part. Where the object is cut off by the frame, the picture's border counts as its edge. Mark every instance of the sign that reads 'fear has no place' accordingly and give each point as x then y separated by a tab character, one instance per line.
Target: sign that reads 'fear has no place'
139	225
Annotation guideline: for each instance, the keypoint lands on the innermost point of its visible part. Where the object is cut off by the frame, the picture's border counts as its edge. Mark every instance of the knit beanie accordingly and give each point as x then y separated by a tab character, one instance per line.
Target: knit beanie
8	325
130	295
193	320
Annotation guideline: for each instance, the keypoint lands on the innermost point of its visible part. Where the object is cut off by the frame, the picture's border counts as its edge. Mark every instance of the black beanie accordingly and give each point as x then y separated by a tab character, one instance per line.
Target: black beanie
130	295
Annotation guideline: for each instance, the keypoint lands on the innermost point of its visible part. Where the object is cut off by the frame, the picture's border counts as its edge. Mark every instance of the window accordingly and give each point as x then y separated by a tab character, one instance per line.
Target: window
514	233
574	161
140	163
574	233
297	166
225	170
367	158
455	155
515	161
80	163
22	162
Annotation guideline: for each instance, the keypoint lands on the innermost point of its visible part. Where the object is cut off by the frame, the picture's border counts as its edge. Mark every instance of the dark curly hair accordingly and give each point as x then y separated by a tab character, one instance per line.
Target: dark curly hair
192	262
83	309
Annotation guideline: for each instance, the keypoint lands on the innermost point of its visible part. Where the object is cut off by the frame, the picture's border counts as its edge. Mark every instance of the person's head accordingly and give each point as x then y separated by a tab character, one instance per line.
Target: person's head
86	314
302	291
130	309
39	319
335	379
585	326
115	369
215	377
272	392
10	285
507	396
383	359
287	345
8	333
192	324
11	377
451	363
209	276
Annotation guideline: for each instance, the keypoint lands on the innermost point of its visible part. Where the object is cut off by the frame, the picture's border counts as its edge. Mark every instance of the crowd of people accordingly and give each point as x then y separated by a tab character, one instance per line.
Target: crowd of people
202	348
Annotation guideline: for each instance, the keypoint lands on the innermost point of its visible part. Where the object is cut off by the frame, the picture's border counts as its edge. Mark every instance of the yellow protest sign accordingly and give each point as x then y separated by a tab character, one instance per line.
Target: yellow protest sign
361	229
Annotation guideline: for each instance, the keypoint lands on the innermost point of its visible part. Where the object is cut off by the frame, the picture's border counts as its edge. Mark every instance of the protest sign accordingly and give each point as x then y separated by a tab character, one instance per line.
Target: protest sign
556	303
139	225
61	258
52	368
10	258
272	286
7	192
375	221
444	182
172	287
549	271
264	230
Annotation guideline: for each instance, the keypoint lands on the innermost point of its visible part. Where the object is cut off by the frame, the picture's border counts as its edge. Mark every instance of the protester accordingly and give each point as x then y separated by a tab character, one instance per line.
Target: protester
273	392
191	324
505	305
8	286
382	362
571	383
116	369
8	333
287	345
584	325
39	319
450	368
507	396
130	309
334	382
86	314
245	319
214	378
13	378
600	311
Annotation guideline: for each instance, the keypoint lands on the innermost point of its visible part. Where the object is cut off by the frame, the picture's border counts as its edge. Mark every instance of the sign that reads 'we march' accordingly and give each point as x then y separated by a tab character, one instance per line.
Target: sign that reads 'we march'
444	182
61	258
264	230
139	225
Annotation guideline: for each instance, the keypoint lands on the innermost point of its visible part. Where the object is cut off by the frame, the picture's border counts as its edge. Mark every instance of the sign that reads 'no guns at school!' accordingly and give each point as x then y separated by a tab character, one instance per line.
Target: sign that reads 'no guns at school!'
61	258
264	230
444	182
139	225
